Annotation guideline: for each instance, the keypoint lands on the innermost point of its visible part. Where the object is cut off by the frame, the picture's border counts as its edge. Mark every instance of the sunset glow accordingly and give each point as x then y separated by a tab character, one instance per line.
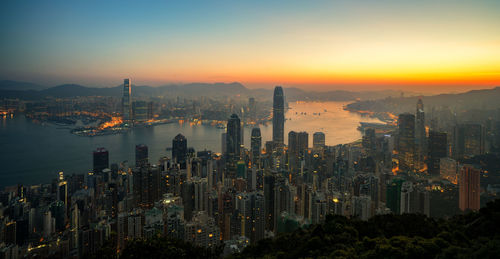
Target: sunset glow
355	45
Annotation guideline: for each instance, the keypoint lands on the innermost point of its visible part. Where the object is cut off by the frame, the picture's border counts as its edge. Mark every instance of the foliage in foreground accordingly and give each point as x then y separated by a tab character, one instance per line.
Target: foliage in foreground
473	235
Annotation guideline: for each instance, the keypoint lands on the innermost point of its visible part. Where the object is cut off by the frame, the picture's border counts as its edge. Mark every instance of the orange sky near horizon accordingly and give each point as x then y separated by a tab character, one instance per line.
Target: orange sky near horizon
429	46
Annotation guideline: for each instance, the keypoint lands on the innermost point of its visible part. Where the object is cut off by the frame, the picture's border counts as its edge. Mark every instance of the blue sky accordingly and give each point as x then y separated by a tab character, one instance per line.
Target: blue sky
260	43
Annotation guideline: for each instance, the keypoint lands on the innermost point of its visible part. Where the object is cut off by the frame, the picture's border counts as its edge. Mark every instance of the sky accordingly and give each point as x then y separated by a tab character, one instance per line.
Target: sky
423	45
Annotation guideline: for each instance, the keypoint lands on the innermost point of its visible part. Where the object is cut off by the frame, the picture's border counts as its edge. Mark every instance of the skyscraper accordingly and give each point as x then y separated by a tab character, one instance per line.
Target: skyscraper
292	142
146	185
252	108
101	160
438	146
62	189
126	100
468	140
420	136
150	110
141	155
318	140
393	195
298	142
140	111
406	143
256	144
233	138
179	150
469	188
278	116
369	140
297	148
223	143
250	209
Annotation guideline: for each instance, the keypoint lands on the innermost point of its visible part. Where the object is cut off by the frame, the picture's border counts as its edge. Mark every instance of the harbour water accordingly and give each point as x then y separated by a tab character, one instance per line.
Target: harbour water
34	153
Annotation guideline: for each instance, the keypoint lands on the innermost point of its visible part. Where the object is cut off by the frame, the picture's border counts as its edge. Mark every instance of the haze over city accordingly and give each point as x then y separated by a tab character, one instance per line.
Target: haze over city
423	46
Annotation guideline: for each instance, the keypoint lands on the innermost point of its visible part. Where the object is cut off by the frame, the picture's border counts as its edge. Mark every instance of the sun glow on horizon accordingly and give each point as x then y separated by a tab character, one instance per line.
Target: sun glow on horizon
321	45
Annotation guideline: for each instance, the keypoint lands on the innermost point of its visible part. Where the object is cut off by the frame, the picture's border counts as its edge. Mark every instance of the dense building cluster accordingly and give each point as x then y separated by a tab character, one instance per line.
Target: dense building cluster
246	193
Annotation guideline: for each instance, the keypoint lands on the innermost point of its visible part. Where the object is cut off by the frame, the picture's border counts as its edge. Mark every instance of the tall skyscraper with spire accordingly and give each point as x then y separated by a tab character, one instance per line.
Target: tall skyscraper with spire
278	116
126	100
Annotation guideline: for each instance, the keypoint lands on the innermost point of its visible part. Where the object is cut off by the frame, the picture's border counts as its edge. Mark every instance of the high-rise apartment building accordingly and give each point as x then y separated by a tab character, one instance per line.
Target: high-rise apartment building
469	188
146	185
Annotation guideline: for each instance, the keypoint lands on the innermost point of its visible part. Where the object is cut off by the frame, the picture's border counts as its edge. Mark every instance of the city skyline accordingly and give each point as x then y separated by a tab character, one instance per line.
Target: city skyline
321	46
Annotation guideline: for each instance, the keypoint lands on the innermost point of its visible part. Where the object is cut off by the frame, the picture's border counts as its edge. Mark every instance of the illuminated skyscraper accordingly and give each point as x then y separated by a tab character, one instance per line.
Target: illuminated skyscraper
406	143
101	160
126	100
278	116
256	144
141	155
62	189
469	188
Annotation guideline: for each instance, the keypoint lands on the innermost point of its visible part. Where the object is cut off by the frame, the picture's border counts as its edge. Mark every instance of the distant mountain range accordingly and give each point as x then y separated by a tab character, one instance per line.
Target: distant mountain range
31	91
483	99
19	86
